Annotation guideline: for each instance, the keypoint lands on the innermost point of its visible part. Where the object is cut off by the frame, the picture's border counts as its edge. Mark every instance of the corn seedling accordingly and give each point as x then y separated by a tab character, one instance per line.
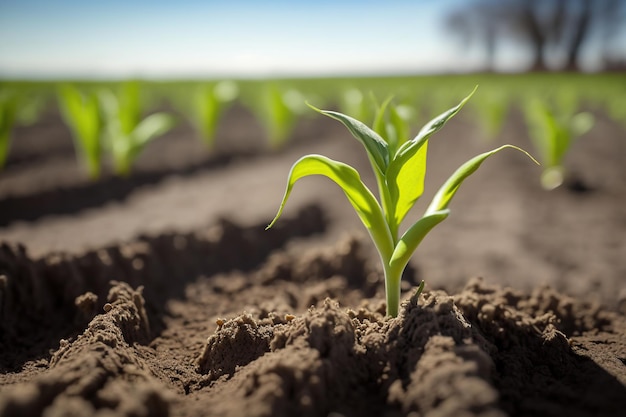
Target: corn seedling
400	171
209	103
352	101
615	108
8	112
553	136
278	110
81	113
126	134
393	124
491	113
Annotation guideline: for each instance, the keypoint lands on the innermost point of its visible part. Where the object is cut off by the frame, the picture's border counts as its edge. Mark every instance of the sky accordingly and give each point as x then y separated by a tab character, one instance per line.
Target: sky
237	38
227	38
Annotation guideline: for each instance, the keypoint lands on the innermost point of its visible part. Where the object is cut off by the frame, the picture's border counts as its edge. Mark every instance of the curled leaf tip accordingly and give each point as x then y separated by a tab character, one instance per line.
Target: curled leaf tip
523	151
269	226
466	99
313	107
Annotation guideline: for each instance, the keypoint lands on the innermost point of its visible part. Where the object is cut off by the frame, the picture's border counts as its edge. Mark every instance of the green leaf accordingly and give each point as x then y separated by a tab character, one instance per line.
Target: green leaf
207	110
151	127
443	197
411	239
376	147
129	147
8	112
380	124
356	191
438	122
581	123
538	125
407	171
129	106
279	118
407	184
400	126
351	101
82	115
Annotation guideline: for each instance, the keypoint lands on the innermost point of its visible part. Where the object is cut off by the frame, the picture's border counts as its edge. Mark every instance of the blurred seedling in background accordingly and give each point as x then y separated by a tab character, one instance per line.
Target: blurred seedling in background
126	133
8	112
616	107
393	123
18	106
82	113
209	102
399	167
278	109
491	110
553	129
107	120
352	101
394	120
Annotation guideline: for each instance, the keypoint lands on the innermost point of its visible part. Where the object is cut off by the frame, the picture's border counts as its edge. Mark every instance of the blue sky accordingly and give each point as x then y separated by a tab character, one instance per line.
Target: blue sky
115	38
243	38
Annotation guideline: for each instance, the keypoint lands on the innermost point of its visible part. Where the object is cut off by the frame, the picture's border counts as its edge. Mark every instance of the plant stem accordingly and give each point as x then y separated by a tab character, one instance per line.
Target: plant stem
393	277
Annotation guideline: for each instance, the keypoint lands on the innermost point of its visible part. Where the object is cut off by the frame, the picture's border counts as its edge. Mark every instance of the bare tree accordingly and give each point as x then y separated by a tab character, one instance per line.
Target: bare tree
557	29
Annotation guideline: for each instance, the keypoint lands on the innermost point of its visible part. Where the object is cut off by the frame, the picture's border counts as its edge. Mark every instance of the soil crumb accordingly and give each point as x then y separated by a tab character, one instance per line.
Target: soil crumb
487	351
298	334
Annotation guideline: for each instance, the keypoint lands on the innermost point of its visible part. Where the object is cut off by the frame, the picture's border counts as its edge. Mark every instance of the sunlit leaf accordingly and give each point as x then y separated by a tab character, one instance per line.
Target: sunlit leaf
358	194
411	239
445	194
407	184
438	122
375	146
406	173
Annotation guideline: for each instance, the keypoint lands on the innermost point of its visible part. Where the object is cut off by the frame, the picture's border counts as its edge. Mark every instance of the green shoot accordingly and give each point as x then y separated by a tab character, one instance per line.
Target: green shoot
491	112
553	136
615	108
82	114
209	102
400	170
126	134
352	101
8	112
279	112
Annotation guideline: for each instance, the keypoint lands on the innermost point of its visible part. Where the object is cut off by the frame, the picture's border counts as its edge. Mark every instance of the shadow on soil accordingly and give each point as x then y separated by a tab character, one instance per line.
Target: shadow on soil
64	201
39	299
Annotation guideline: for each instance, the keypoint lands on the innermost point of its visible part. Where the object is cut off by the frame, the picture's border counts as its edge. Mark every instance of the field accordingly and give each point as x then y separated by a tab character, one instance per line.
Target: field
158	292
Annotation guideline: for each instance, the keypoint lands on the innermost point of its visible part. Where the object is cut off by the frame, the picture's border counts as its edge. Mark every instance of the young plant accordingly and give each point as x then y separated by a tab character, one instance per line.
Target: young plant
614	105
400	170
393	123
491	112
208	105
278	109
8	112
352	101
553	136
126	134
81	113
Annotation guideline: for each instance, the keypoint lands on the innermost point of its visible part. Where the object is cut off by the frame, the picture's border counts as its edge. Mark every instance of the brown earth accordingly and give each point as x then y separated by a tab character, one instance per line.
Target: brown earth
162	294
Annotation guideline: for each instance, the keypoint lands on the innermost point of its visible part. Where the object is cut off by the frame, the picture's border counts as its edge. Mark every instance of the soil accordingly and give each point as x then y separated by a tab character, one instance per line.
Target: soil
161	294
